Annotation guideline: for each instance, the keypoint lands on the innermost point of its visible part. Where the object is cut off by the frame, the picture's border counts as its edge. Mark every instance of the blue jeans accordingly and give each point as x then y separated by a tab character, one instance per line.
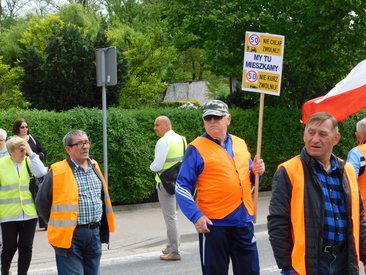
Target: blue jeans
84	255
333	263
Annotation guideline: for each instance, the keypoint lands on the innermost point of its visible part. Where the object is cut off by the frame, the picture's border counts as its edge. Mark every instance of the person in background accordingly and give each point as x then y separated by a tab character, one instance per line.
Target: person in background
74	199
315	221
3	150
21	129
219	166
168	151
18	215
357	157
3	153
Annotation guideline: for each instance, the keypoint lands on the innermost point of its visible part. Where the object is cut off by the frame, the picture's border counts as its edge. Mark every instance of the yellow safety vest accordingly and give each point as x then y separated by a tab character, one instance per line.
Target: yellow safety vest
175	153
15	196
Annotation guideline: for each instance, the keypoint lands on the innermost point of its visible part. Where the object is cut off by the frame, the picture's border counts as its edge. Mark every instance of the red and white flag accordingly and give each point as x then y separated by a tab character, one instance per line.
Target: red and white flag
345	99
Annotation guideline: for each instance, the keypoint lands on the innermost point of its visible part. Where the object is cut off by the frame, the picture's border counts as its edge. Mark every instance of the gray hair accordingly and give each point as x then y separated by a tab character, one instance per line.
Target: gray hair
3	133
361	126
67	140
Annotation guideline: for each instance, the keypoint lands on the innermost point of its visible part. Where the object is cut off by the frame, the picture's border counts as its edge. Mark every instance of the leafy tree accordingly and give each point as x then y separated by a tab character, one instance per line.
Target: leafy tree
148	60
323	40
59	61
9	46
10	94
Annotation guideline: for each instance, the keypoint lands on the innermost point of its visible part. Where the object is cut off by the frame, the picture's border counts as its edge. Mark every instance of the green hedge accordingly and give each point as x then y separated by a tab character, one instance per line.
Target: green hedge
131	139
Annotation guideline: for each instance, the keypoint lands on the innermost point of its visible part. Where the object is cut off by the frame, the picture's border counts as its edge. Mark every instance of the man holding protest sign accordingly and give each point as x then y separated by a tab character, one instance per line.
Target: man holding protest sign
218	165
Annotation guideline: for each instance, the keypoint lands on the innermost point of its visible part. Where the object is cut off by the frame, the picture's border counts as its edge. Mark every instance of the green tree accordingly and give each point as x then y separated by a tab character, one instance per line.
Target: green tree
10	94
59	61
148	59
9	46
323	40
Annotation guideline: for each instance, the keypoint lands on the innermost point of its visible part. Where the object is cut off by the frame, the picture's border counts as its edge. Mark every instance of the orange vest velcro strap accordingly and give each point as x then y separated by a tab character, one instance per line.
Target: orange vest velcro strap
355	206
220	189
241	161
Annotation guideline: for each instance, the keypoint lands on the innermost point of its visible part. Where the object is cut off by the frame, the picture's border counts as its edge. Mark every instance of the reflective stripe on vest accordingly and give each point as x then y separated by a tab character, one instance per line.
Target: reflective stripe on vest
224	182
64	211
295	172
15	196
362	178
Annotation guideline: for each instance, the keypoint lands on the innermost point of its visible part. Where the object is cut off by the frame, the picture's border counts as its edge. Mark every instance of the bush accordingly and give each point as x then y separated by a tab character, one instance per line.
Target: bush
131	140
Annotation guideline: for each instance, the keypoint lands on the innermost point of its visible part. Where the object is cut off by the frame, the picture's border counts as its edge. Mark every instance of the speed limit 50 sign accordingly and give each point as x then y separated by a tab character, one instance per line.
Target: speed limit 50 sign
262	66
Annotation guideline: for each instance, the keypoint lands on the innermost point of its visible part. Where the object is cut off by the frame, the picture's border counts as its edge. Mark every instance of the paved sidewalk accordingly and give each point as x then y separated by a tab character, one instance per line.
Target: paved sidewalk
139	228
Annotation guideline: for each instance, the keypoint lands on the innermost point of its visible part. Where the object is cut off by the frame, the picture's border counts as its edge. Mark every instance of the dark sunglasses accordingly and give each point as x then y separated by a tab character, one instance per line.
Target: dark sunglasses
23	127
209	117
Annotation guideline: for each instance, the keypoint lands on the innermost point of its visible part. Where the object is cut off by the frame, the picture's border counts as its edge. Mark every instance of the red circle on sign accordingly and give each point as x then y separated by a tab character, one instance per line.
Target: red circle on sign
251	76
254	40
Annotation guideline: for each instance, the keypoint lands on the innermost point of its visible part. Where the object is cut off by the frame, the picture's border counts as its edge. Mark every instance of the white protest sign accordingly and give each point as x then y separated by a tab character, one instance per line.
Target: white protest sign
263	58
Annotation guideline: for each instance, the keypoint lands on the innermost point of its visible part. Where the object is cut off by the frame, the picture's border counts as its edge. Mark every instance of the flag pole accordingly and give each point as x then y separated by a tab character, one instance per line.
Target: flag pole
258	155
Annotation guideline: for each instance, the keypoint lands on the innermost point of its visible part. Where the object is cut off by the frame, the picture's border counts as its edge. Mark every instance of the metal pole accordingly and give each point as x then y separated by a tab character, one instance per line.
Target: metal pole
105	151
104	108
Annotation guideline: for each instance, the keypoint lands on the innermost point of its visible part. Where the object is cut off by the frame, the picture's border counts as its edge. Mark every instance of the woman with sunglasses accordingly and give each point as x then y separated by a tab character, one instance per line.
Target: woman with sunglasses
21	129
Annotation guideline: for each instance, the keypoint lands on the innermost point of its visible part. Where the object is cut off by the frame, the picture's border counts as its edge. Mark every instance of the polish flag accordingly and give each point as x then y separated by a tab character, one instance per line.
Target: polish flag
346	98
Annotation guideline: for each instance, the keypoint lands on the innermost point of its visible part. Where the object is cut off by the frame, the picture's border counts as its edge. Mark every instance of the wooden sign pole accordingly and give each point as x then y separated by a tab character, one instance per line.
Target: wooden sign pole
258	156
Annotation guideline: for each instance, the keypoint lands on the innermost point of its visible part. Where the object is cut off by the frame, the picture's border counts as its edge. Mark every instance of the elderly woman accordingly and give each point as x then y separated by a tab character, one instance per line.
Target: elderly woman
3	150
21	129
18	215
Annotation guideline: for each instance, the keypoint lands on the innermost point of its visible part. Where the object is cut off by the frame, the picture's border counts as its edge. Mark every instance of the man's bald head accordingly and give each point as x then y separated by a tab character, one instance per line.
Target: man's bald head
162	125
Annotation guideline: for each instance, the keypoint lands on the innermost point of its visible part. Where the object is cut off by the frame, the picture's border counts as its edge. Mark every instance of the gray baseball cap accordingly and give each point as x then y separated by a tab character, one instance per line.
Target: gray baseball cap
215	107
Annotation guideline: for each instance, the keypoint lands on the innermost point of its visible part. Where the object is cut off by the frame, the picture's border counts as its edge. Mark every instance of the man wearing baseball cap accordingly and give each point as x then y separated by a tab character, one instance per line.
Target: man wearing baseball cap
218	165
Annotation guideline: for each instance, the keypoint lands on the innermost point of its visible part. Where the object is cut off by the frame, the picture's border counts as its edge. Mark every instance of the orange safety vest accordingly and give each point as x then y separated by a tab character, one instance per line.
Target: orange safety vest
224	182
295	171
64	210
362	178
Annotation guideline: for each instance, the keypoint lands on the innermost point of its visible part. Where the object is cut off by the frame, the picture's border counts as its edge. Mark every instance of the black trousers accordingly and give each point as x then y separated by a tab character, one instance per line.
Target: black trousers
17	235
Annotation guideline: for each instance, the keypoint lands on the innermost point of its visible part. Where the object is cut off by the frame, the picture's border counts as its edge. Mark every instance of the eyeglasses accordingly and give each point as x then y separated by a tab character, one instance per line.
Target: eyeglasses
23	127
210	117
80	143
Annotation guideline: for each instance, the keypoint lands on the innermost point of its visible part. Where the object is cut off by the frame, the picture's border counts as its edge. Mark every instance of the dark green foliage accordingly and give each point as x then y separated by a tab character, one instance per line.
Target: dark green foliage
131	139
70	62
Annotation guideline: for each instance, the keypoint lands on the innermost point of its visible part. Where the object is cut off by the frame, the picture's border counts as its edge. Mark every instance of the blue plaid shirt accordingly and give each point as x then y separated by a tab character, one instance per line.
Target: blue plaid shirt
335	212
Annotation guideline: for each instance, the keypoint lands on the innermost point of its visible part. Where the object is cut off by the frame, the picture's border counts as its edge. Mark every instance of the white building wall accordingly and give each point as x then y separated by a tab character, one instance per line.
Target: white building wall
188	91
